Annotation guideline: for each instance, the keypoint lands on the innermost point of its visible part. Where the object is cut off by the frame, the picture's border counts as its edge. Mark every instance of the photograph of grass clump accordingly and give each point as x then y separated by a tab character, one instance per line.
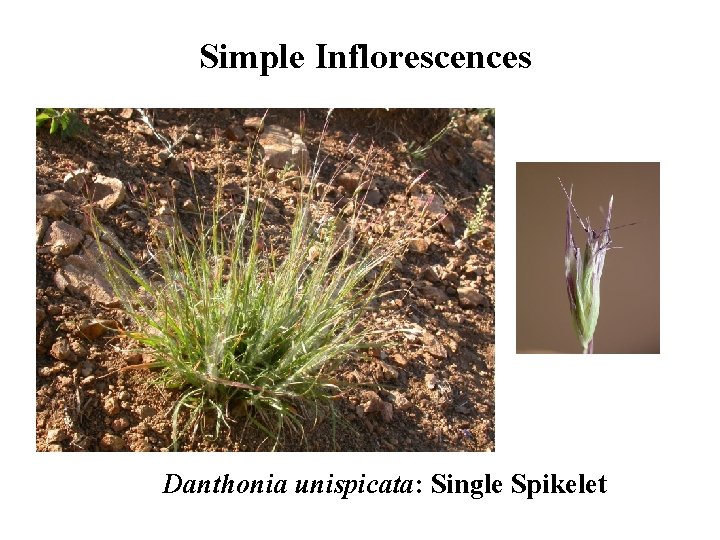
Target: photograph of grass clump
588	257
234	279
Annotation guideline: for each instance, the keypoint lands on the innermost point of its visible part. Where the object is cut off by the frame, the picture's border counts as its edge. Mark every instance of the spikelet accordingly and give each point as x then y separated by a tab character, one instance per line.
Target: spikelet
583	272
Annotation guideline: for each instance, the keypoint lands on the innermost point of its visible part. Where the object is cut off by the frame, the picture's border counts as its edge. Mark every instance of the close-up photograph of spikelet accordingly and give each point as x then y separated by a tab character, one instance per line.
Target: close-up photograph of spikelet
593	230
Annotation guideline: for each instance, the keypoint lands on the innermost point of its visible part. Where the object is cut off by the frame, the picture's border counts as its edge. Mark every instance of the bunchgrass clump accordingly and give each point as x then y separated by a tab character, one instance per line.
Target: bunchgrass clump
236	324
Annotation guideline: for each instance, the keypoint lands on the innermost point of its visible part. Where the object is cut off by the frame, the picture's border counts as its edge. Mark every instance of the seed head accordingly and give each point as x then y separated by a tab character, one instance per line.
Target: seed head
583	272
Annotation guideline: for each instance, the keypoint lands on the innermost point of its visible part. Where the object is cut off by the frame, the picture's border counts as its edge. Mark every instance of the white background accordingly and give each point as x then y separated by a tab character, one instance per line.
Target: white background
625	81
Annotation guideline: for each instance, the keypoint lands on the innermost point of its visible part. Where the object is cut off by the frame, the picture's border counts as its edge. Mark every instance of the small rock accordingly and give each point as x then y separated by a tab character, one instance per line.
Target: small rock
389	373
447	225
55	436
45	337
112	443
92	329
434	294
107	192
50	205
430	273
143	446
79	350
230	167
81	274
400	401
386	412
400	360
352	181
40	228
120	424
433	346
490	356
61	350
373	197
126	113
323	190
431	381
237	187
111	405
471	298
371	402
134	359
418	245
432	204
281	147
77	180
146	412
39	316
254	123
165	209
235	133
62	238
189	139
463	408
485	148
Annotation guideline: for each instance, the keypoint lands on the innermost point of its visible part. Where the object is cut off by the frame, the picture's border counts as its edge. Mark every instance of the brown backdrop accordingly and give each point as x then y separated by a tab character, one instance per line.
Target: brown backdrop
629	319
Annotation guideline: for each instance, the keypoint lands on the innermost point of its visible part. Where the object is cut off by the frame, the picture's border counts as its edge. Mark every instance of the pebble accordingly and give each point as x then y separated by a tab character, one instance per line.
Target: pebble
371	402
111	405
40	228
120	424
93	328
146	412
79	349
430	273
62	238
447	225
189	139
418	245
434	294
80	274
134	358
433	346
112	443
386	412
373	197
77	180
39	316
61	350
400	359
432	204
107	192
51	205
431	380
470	298
400	401
55	436
254	123
282	147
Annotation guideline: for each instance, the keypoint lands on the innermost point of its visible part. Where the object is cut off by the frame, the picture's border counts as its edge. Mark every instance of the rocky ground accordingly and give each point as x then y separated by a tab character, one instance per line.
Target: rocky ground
433	390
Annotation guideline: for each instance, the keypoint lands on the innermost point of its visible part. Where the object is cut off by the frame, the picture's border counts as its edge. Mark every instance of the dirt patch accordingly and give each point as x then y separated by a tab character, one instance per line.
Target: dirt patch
432	390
